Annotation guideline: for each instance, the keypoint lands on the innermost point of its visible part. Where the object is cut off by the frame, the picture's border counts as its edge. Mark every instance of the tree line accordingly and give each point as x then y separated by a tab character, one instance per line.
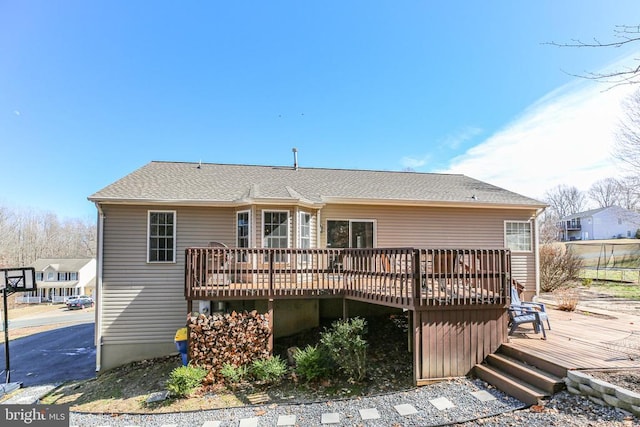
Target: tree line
28	234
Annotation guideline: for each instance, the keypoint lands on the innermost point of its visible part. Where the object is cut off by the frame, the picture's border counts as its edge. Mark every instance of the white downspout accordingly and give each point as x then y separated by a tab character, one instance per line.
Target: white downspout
99	266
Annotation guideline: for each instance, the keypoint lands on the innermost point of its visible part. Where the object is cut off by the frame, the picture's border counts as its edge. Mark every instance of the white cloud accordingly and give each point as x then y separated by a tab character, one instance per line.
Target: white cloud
564	138
454	140
413	162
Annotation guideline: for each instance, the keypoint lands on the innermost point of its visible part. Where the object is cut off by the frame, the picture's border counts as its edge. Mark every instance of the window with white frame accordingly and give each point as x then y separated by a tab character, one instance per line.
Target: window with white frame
51	276
161	236
73	276
518	235
39	276
242	222
275	227
305	230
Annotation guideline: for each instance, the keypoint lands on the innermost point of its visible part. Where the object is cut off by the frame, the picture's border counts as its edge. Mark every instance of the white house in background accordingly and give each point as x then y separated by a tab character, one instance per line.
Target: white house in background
58	279
604	223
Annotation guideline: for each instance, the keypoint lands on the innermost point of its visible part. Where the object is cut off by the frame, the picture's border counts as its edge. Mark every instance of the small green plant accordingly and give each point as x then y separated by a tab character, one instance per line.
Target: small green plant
311	363
587	282
185	379
346	346
233	374
268	370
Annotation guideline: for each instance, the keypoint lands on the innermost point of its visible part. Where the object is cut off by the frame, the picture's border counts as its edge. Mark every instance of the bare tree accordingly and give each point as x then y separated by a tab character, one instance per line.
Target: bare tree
622	35
605	192
629	196
548	226
26	235
565	200
627	145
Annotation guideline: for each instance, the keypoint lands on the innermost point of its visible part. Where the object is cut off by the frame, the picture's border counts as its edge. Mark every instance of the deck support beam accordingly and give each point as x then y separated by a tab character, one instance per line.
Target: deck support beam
271	325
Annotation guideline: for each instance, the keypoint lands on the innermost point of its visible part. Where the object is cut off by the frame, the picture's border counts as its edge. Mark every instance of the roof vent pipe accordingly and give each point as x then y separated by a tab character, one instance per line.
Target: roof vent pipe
295	158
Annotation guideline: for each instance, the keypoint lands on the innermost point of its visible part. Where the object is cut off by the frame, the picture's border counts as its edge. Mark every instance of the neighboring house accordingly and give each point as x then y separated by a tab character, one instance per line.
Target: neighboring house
58	279
612	222
163	230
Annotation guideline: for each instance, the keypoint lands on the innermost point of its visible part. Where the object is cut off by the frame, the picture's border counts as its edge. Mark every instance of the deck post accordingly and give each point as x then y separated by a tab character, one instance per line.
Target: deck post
345	309
417	347
271	272
417	278
271	325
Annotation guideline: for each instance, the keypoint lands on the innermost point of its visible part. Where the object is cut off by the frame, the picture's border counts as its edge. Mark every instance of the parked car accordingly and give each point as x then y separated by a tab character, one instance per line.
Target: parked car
74	297
69	299
80	302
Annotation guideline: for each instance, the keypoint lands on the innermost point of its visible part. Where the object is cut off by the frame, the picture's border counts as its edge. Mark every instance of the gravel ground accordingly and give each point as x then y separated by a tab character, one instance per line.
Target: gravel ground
563	409
467	407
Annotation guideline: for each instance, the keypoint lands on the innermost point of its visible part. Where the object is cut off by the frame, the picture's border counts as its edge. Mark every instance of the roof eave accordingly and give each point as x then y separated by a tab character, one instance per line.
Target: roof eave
209	203
432	203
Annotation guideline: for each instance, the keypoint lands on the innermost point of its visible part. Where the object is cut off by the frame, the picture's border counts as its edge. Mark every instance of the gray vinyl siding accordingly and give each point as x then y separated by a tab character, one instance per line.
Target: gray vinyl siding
441	228
144	302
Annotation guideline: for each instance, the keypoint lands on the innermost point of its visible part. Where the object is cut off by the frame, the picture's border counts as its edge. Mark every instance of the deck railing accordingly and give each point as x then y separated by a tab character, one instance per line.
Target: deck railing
401	277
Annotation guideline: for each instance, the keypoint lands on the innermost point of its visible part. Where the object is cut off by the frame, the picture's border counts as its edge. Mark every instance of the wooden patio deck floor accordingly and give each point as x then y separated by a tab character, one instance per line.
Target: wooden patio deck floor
581	341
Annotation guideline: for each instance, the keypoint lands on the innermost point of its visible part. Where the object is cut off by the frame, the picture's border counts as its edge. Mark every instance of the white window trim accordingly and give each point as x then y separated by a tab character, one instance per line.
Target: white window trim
300	214
250	225
175	232
530	235
264	240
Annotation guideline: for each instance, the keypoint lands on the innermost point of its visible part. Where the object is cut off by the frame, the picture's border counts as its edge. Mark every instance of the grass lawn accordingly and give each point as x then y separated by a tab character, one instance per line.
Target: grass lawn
619	275
629	291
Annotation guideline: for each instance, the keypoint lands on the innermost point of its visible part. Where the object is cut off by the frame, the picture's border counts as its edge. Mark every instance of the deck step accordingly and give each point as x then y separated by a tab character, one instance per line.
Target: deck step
541	380
511	385
533	360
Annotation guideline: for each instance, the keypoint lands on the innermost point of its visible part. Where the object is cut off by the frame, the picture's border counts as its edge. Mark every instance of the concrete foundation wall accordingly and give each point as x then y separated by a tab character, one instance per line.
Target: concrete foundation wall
290	316
333	308
114	355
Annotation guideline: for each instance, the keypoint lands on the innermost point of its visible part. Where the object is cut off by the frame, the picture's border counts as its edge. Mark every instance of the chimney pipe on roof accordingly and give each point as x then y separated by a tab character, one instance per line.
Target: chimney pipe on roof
295	158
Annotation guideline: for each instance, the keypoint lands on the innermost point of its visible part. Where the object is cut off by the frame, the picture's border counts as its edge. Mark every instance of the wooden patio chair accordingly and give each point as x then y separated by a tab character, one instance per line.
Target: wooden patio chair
535	306
521	315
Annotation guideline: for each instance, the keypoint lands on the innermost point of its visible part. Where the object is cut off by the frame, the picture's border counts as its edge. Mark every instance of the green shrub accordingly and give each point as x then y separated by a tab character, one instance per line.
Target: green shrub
233	374
586	282
269	370
185	379
346	347
311	363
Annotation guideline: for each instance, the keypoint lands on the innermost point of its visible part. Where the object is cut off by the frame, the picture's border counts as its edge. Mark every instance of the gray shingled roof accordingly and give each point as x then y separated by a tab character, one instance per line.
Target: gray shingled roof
70	265
193	183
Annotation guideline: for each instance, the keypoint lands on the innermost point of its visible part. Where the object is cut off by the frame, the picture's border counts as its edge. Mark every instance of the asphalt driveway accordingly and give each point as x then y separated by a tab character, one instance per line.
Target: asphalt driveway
55	356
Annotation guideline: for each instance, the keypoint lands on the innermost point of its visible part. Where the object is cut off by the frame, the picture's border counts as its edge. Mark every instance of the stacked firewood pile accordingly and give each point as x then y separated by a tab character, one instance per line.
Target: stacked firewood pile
234	338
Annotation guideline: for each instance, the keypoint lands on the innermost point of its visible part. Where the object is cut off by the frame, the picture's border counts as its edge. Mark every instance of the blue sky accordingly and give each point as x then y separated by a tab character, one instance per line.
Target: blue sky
92	90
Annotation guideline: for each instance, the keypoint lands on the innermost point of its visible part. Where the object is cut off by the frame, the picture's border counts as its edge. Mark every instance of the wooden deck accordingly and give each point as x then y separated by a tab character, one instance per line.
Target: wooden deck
408	278
580	341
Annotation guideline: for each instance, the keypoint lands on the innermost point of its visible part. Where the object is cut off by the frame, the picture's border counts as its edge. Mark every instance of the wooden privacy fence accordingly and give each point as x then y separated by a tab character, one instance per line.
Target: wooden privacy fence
400	277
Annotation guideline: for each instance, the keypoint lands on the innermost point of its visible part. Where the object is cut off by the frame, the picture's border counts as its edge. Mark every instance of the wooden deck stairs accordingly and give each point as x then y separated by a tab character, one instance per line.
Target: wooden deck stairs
522	375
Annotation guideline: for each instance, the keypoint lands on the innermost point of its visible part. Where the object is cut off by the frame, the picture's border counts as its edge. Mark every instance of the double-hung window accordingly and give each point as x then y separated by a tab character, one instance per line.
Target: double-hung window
161	236
305	230
242	236
517	236
275	226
